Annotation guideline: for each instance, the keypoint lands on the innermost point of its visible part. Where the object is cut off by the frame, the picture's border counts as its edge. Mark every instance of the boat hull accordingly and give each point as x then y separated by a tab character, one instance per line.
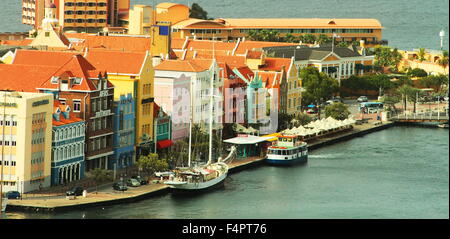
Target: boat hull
291	161
201	186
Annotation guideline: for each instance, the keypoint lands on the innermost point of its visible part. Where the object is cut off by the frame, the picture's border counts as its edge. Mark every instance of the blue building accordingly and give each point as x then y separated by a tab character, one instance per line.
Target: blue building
68	135
124	132
163	128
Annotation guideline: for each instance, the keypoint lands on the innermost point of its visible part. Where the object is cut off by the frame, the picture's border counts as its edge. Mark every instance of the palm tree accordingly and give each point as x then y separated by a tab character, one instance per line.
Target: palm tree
421	54
323	39
99	175
405	90
289	37
444	59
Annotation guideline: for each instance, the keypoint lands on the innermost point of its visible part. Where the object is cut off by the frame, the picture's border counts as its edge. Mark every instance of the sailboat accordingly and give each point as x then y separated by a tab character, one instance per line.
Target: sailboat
201	177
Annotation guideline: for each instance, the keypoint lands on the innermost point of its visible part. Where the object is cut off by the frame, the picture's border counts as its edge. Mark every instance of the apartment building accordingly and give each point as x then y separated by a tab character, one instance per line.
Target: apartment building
25	140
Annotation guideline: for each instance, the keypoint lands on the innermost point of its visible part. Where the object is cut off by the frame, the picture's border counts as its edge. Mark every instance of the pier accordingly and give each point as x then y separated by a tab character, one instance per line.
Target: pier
102	198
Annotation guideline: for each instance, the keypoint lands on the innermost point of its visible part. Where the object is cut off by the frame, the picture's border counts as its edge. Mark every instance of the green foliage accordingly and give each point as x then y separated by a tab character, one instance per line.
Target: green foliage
409	93
302	119
197	12
322	38
319	86
343	44
338	111
381	82
417	72
307	38
284	121
444	59
265	35
152	163
290	38
421	54
387	57
435	82
99	175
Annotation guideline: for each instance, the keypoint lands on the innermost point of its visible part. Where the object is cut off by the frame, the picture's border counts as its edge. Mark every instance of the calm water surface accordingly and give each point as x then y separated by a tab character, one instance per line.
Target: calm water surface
408	23
401	172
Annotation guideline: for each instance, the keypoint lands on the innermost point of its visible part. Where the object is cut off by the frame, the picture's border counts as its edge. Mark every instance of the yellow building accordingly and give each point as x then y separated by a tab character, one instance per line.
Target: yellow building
130	72
430	62
25	140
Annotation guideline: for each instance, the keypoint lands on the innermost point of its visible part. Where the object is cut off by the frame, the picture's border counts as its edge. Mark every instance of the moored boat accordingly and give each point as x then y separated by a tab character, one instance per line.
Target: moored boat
289	149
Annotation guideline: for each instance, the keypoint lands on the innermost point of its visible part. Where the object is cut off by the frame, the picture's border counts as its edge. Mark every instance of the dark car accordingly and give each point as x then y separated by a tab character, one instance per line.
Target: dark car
13	195
141	180
75	191
120	187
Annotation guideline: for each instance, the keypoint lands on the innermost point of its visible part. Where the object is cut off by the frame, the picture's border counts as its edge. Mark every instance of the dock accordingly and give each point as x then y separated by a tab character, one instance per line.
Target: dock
60	203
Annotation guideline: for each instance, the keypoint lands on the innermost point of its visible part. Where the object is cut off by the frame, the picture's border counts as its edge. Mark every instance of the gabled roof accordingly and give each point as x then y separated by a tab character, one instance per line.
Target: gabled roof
117	62
310	53
192	65
270	79
25	78
62	120
117	43
251	45
276	64
48	58
24	42
177	43
251	54
210	45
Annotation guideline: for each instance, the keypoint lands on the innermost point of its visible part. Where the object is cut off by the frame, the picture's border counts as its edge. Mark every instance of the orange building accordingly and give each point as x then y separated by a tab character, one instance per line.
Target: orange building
77	15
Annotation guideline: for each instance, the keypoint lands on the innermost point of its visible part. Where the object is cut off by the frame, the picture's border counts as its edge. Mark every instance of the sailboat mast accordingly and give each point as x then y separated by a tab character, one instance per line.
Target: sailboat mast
3	151
211	89
190	122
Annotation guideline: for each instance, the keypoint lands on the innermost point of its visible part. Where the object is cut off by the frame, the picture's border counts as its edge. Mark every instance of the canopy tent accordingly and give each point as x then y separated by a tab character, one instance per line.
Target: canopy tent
249	139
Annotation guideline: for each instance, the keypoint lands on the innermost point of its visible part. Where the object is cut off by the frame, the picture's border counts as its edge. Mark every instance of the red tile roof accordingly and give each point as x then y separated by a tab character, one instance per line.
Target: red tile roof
117	62
25	78
177	43
47	58
192	65
270	79
276	64
24	42
62	119
117	43
251	54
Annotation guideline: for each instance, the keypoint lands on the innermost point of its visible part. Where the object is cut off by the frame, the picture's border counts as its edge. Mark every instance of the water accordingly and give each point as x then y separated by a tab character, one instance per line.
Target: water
401	172
408	23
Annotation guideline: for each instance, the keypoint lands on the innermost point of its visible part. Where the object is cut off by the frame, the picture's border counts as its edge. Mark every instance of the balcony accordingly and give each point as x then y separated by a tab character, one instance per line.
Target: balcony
382	42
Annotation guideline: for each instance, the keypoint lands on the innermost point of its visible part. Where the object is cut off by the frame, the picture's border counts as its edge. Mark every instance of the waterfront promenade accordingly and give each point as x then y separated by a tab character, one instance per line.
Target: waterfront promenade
108	196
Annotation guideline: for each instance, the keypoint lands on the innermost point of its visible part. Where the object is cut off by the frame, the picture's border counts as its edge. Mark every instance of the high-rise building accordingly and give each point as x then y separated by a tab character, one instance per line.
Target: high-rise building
77	15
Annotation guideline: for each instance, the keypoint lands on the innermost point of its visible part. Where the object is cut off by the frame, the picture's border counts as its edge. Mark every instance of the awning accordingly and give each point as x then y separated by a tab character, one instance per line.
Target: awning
164	143
250	139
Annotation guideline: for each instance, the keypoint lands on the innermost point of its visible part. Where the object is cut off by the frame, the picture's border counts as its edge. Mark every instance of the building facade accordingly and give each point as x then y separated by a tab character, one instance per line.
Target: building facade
25	140
68	137
124	132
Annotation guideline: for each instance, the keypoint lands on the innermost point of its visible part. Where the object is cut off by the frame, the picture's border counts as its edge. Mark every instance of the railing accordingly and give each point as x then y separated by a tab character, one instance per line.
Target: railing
429	115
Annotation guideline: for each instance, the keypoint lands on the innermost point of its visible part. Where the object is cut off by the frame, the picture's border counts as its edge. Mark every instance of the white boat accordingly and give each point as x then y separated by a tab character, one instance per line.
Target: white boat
445	126
4	204
193	179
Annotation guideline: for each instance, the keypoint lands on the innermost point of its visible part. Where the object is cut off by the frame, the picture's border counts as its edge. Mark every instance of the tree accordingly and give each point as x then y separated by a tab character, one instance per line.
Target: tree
197	12
289	38
323	39
390	100
444	59
284	121
99	175
152	163
338	111
421	54
307	38
387	57
343	44
417	72
435	82
319	86
381	82
406	91
302	119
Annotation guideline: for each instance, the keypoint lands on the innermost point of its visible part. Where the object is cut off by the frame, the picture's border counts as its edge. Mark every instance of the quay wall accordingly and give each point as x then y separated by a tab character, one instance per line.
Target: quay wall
233	169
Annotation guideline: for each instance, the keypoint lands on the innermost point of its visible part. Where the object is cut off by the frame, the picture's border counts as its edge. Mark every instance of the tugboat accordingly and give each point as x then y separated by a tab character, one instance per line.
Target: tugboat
288	150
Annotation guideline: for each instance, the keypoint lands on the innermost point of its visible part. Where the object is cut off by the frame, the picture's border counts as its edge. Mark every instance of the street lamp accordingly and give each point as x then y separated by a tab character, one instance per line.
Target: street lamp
442	35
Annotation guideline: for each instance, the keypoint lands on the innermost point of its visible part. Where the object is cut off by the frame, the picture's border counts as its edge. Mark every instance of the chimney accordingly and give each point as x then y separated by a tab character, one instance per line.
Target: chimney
156	61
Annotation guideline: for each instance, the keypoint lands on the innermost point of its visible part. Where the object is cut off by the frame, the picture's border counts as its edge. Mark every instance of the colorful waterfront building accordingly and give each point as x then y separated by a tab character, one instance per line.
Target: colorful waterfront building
163	128
124	132
431	61
25	139
68	135
131	73
75	82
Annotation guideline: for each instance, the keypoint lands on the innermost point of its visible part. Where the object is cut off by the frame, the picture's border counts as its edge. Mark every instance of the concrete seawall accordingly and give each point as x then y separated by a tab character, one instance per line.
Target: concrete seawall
156	190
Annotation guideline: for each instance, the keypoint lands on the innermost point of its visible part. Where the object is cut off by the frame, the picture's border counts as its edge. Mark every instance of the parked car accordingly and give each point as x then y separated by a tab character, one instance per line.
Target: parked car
334	100
12	195
362	99
311	109
140	179
75	191
133	182
120	187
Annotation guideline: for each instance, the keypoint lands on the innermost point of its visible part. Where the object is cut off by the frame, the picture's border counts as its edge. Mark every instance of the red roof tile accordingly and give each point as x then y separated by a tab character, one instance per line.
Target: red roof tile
24	78
117	62
192	65
117	43
275	64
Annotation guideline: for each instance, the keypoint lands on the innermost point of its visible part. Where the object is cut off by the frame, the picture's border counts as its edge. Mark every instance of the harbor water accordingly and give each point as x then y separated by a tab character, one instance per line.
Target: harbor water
408	24
400	172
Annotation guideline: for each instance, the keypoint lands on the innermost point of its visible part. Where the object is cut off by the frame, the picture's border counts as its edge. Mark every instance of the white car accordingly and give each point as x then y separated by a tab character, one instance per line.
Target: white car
362	99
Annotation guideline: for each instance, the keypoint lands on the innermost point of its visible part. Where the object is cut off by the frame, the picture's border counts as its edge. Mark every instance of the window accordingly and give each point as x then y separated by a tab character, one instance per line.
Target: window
76	105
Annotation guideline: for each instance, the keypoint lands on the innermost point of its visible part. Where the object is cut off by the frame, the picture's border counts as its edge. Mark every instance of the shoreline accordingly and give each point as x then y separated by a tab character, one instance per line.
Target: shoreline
147	191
